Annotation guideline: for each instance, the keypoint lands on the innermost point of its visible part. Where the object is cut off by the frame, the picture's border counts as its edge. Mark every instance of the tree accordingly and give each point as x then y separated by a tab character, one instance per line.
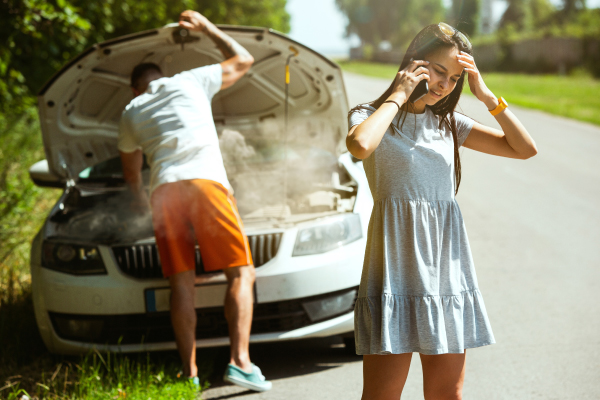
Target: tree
527	15
516	15
396	21
540	12
37	37
571	8
465	15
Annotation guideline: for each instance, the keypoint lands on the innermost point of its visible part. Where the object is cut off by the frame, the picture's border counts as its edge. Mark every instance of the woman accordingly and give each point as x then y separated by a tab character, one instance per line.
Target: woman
418	291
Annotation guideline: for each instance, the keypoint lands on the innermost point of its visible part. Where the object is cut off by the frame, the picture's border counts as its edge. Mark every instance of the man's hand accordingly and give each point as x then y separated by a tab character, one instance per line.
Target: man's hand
140	203
237	59
193	20
132	174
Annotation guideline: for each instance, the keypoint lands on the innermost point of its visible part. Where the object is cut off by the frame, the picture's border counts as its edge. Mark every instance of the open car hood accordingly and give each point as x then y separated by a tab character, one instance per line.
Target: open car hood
81	105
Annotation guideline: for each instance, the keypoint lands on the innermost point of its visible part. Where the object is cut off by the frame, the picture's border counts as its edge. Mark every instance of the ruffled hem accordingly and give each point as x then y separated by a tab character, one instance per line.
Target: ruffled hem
395	324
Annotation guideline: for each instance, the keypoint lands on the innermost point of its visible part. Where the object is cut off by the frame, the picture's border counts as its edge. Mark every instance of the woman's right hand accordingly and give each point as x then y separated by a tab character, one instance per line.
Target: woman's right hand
364	138
407	80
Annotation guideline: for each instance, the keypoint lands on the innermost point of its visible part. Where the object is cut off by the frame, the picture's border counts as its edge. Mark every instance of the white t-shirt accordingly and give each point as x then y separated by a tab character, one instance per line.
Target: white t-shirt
173	125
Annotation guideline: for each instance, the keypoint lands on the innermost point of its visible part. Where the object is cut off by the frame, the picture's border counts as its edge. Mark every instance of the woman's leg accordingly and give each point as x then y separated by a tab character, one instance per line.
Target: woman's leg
384	376
443	376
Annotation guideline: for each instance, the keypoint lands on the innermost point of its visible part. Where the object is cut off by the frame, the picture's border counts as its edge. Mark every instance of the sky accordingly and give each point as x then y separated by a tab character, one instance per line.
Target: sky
319	24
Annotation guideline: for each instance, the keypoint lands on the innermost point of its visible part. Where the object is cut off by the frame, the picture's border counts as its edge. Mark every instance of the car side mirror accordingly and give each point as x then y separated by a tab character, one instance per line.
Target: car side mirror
41	175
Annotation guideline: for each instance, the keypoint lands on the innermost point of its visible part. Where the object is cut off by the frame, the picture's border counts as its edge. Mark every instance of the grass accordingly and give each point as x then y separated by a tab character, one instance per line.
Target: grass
26	367
573	96
102	376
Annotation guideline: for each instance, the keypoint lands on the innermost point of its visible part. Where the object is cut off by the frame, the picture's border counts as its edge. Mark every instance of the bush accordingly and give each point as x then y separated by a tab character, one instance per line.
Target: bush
23	206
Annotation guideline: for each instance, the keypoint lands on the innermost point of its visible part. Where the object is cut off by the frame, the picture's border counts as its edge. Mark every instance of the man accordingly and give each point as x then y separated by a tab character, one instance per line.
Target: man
170	120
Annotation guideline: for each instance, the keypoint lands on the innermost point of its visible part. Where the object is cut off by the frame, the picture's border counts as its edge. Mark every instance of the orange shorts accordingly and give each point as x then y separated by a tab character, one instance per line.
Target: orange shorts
201	211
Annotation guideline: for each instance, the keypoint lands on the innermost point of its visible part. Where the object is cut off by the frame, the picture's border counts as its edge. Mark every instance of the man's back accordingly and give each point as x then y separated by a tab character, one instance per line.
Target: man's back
172	123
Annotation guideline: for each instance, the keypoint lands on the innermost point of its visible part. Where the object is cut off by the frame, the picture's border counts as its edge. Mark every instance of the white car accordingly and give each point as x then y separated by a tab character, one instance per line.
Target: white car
305	202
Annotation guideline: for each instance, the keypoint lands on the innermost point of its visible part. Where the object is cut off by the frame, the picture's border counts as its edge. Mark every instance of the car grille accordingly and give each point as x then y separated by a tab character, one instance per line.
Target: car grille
156	327
142	261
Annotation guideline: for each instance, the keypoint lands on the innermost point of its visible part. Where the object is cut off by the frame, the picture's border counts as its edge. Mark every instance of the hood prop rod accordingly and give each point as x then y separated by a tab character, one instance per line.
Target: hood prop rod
285	129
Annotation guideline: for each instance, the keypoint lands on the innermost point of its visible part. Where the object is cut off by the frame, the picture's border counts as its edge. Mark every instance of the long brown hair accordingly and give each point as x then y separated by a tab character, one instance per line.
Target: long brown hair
429	40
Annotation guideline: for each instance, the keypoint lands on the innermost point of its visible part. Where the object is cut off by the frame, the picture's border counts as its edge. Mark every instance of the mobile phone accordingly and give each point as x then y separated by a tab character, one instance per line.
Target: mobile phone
421	90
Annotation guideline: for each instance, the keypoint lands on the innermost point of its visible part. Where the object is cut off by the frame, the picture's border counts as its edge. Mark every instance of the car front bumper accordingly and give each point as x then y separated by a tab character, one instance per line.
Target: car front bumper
336	326
283	287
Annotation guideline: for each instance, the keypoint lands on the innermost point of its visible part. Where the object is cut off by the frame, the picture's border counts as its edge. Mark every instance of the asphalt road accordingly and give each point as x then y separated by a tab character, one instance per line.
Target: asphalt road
534	229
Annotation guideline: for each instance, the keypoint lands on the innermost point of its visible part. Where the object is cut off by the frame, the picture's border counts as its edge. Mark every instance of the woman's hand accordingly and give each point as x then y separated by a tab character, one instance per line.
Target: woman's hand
407	80
364	138
192	20
476	84
513	140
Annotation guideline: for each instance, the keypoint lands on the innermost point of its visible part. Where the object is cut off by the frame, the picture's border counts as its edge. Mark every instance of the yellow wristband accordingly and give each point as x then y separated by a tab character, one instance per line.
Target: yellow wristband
502	104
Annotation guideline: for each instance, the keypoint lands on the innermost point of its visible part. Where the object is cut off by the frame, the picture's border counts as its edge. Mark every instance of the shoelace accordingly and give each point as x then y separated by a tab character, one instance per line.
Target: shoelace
259	373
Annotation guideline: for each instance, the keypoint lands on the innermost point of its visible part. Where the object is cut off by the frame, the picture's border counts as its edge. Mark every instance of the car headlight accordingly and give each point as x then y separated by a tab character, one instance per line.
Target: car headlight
72	258
328	234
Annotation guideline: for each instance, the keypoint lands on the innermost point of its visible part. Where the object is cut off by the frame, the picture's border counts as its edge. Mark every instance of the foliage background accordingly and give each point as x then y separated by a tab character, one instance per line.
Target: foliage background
37	37
393	21
398	21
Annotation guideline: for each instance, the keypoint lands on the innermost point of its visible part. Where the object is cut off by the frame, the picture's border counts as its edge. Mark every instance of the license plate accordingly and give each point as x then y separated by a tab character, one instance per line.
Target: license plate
159	299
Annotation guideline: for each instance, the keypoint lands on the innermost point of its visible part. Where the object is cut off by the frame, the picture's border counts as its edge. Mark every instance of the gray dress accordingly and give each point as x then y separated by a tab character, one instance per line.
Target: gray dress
418	291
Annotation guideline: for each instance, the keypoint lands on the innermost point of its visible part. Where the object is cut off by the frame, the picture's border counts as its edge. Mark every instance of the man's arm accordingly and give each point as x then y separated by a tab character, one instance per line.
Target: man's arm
132	173
237	59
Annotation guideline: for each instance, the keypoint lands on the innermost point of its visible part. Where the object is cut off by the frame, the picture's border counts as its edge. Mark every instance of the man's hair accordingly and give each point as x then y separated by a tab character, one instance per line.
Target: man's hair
140	72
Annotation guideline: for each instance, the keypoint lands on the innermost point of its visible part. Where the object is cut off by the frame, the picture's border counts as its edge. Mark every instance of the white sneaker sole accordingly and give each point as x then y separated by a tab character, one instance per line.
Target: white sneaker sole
247	385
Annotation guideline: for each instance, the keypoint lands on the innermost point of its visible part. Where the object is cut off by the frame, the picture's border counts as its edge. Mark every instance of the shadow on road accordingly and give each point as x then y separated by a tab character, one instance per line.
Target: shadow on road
278	361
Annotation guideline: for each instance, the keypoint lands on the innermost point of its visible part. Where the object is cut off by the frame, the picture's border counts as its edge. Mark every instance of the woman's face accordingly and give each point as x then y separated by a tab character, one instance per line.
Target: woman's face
444	72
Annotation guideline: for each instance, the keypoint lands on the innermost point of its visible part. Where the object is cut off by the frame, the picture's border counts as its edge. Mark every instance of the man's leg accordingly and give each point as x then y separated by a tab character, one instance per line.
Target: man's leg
177	255
239	301
183	318
224	247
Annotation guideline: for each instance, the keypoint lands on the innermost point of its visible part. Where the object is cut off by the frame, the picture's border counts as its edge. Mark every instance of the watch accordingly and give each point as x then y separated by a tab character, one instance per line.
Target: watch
502	104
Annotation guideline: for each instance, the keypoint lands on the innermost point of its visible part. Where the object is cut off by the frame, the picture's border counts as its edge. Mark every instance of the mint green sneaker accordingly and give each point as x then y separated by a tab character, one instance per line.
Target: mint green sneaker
194	381
250	380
